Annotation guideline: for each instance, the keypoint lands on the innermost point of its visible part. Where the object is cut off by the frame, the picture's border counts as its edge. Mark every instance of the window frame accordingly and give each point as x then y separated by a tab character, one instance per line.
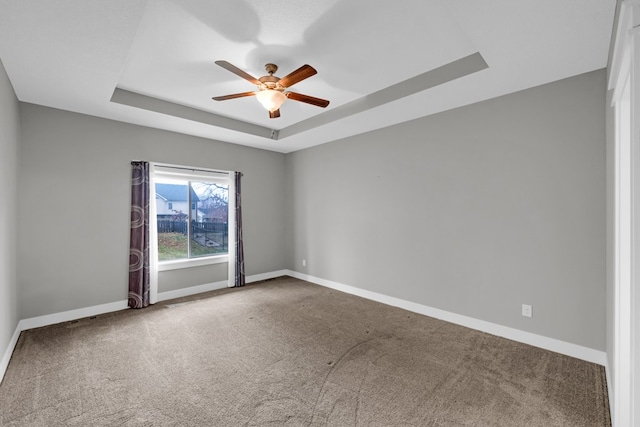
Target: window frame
188	174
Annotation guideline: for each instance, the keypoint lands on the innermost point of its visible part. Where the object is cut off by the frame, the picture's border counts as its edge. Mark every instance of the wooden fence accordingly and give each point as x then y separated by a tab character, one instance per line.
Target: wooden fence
206	234
169	226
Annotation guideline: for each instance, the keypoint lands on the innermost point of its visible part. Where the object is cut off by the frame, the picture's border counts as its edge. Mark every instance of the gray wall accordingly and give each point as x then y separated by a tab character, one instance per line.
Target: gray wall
474	211
74	206
9	139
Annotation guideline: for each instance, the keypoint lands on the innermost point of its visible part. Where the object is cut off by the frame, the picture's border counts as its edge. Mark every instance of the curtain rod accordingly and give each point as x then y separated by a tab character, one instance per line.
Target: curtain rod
194	169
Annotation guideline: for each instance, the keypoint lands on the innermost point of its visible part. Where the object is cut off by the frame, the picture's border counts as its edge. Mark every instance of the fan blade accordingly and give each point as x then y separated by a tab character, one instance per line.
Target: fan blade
298	75
235	70
307	99
233	96
274	114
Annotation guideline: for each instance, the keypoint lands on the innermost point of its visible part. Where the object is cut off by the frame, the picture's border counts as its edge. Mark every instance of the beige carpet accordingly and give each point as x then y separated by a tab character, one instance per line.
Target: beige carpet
286	352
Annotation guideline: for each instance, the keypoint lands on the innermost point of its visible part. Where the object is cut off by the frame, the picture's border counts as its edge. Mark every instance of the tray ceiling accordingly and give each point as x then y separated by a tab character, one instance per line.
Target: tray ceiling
379	63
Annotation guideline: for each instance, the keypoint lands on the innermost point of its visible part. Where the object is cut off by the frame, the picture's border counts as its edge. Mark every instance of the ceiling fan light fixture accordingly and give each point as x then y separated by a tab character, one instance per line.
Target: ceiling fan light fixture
271	99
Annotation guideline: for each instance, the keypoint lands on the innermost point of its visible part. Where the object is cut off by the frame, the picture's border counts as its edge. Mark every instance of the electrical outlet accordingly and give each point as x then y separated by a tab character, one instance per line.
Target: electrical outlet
304	262
527	311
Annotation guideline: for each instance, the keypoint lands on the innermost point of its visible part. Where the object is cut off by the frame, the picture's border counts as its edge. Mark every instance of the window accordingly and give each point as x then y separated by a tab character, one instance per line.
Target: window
192	210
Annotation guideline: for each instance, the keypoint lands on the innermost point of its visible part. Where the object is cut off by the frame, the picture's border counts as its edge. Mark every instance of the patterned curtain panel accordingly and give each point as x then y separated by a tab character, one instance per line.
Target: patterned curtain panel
139	240
239	258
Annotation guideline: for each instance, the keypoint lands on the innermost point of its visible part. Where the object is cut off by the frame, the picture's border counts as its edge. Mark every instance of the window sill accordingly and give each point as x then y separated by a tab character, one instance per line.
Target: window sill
194	262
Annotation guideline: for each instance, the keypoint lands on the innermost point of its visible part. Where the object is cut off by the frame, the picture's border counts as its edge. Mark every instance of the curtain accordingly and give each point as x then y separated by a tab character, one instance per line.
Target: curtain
238	259
139	277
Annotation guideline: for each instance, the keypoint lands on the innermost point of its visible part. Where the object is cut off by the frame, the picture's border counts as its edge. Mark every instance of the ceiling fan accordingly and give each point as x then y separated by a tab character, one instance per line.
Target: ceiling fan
272	91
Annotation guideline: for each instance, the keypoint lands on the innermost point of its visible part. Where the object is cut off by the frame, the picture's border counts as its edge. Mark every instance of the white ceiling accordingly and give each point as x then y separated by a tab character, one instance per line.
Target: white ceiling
151	62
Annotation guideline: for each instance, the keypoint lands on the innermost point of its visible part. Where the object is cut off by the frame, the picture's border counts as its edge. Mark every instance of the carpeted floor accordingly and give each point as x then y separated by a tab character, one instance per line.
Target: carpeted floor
286	352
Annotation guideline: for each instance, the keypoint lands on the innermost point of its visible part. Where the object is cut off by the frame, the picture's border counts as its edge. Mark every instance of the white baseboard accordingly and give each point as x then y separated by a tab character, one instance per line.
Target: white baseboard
573	350
192	290
65	316
552	344
607	371
4	363
266	276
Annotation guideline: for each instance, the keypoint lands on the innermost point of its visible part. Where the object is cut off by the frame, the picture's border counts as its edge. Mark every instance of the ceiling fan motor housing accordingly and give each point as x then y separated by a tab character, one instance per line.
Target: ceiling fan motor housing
270	81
